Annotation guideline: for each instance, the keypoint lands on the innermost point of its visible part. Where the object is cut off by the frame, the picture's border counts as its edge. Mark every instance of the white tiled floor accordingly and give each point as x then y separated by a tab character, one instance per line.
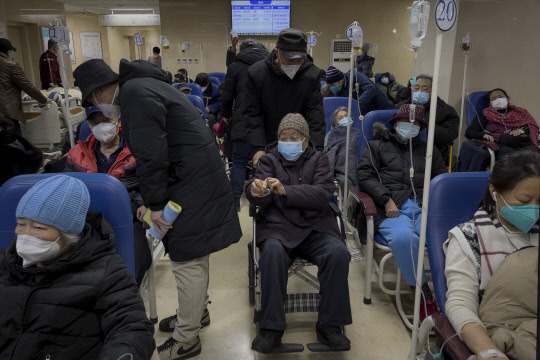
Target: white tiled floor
376	333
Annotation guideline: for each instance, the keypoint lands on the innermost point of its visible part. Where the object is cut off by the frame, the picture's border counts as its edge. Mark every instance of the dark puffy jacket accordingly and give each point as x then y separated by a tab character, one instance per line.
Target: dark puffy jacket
85	305
371	97
309	185
235	88
177	159
335	150
18	156
364	65
391	157
446	125
212	97
270	95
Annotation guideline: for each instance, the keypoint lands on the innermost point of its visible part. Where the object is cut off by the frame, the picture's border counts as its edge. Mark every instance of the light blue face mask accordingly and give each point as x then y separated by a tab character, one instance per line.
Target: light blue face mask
406	130
335	89
420	98
521	216
290	150
343	122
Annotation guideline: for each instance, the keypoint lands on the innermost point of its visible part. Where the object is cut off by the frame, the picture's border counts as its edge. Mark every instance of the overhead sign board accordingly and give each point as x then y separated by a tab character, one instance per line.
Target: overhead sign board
129	20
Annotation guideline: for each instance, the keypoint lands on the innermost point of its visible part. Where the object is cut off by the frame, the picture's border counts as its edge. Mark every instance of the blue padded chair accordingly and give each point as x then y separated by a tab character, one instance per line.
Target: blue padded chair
196	90
85	131
330	104
219	75
107	195
379	75
198	103
323	83
215	81
476	103
176	85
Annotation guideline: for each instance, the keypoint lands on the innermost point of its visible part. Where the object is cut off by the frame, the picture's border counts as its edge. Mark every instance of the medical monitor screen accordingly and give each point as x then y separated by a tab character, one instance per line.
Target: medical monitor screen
260	17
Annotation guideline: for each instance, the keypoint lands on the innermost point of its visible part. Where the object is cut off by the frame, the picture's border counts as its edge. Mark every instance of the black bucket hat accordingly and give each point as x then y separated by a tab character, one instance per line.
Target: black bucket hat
92	74
5	45
292	43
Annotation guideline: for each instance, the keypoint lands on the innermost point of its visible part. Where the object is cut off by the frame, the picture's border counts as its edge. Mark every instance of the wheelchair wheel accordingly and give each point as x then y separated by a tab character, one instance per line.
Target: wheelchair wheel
251	275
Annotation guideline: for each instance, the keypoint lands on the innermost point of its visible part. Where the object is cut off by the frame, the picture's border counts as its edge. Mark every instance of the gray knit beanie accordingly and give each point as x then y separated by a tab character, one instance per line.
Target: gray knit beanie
296	122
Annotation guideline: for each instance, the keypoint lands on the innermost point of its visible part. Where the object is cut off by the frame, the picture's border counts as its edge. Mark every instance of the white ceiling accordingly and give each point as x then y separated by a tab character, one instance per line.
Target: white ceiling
106	7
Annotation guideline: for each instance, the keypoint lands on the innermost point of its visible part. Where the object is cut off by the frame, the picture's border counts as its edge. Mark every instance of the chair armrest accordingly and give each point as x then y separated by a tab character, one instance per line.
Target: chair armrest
365	200
455	347
335	209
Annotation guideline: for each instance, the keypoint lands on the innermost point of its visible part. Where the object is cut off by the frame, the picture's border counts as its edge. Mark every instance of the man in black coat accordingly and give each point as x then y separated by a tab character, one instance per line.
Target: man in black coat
233	94
177	160
285	82
446	119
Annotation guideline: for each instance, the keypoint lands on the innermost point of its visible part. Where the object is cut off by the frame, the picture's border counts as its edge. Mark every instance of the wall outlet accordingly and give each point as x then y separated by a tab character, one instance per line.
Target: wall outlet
195	61
184	61
190	61
178	61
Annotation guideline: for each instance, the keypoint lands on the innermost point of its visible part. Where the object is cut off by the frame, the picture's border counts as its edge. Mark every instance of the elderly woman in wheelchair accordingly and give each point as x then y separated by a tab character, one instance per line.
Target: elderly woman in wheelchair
491	269
65	294
292	187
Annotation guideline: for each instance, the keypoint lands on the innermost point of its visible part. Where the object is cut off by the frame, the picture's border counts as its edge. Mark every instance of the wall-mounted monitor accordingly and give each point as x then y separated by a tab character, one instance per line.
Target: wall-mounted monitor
260	17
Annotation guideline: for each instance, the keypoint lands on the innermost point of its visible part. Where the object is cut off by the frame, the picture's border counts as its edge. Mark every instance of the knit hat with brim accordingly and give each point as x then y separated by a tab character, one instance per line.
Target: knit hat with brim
296	122
403	113
91	75
60	201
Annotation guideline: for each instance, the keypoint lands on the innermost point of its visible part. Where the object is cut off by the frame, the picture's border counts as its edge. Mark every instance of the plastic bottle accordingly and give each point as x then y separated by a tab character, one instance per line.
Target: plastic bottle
170	213
419	22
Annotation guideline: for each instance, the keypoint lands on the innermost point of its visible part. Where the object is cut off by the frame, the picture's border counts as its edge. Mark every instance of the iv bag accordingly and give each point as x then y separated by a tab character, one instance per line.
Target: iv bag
466	43
419	22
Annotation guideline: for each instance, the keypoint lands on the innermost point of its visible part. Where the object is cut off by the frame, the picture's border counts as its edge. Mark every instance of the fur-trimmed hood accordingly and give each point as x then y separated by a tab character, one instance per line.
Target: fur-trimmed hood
379	129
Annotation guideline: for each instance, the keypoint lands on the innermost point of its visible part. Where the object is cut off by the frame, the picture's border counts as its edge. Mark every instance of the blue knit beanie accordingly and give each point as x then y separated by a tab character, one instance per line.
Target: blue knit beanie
60	201
333	75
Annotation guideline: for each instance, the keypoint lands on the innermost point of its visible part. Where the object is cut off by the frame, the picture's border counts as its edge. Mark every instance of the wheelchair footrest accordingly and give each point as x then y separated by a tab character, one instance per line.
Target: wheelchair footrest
319	347
288	348
303	302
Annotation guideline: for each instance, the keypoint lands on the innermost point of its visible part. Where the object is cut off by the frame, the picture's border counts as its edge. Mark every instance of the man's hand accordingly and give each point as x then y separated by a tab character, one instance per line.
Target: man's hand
140	212
488	137
234	41
391	209
257	156
159	222
258	188
276	186
225	120
516	132
207	110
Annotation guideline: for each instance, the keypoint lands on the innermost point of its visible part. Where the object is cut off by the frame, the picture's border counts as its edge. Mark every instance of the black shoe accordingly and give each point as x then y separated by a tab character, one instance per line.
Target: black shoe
333	337
172	349
168	324
267	341
237	205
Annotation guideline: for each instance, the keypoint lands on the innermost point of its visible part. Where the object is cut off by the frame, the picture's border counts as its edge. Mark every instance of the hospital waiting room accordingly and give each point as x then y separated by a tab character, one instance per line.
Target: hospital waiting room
269	179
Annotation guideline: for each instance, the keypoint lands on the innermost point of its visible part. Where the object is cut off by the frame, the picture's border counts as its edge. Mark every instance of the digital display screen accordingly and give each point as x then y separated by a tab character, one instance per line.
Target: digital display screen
260	17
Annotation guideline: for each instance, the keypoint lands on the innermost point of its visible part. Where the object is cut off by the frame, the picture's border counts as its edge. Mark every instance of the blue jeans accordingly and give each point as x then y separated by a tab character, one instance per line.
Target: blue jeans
397	233
241	154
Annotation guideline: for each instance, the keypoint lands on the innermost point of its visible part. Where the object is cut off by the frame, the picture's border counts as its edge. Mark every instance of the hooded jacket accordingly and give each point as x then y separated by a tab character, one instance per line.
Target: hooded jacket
177	159
391	158
369	96
235	89
336	150
85	305
270	95
391	89
213	96
309	185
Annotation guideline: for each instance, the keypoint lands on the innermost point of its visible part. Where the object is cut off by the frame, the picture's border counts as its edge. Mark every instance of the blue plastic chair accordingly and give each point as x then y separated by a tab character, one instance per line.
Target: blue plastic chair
196	90
85	131
198	103
175	85
215	81
379	76
107	195
476	103
330	104
219	75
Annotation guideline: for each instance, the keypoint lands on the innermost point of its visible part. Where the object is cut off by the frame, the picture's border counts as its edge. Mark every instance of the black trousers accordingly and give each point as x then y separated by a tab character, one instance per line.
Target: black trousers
331	257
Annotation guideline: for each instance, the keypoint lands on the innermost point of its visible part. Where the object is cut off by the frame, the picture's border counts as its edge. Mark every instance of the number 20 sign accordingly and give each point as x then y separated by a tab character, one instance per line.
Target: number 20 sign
445	14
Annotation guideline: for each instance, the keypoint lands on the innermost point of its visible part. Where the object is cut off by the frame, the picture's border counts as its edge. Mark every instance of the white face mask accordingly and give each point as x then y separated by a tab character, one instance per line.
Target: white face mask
34	250
109	110
105	132
290	70
499	103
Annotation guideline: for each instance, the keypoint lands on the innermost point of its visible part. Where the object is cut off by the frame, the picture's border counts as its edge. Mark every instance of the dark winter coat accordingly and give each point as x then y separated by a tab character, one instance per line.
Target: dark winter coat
364	65
85	305
270	95
446	125
336	150
309	185
371	97
231	55
212	98
177	159
235	88
18	156
391	89
391	157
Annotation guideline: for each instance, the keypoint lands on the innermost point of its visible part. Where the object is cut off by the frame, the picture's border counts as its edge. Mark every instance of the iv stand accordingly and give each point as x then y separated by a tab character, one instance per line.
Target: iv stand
462	102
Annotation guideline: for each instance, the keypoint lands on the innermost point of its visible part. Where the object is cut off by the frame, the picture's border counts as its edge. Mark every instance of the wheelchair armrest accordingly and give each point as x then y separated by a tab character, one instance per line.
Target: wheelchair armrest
335	209
253	210
455	347
365	200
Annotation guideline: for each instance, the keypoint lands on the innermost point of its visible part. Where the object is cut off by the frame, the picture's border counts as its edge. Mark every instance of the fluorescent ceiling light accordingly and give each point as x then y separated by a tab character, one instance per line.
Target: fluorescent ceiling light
132	9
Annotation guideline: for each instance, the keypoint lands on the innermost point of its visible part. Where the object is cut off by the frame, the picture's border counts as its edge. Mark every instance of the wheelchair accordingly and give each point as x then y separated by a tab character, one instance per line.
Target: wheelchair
295	302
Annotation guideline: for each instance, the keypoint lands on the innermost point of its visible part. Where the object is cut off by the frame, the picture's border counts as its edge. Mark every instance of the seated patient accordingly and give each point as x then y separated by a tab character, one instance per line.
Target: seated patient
384	174
293	186
478	260
335	145
104	152
65	294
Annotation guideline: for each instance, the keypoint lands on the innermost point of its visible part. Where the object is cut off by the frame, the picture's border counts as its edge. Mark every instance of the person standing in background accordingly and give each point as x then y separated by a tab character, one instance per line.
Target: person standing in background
12	82
155	58
49	68
231	51
364	62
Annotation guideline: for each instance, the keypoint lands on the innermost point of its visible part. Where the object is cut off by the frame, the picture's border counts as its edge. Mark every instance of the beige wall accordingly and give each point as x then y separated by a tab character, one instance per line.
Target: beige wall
117	36
505	51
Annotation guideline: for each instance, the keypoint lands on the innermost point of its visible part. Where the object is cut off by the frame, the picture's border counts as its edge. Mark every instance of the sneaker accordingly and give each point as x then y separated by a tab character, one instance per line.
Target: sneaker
267	341
333	337
172	349
169	323
237	204
430	306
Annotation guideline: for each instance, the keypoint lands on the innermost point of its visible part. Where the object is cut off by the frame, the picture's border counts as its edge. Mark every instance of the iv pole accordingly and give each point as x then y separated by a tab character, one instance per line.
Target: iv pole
467	43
